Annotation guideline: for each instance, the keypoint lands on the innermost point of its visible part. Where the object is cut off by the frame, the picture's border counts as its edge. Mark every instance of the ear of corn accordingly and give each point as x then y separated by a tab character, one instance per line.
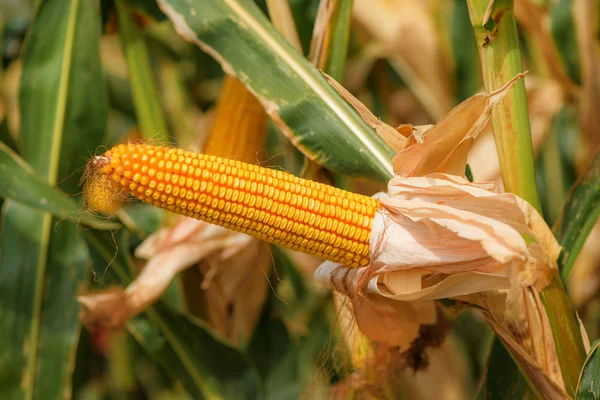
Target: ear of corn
240	112
269	204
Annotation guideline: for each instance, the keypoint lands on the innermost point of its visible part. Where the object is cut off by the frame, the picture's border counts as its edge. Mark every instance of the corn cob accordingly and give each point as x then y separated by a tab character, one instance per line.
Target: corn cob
237	111
269	204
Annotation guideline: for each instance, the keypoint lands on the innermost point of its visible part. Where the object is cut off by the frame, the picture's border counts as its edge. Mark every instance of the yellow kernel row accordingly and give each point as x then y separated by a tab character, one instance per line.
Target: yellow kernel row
270	204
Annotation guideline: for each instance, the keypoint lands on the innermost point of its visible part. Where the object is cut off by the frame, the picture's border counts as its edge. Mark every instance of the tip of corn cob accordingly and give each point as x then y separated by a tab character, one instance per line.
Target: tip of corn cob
101	193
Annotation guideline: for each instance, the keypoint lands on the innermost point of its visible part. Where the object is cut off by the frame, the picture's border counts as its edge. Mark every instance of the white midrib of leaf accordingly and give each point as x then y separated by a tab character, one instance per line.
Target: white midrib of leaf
326	95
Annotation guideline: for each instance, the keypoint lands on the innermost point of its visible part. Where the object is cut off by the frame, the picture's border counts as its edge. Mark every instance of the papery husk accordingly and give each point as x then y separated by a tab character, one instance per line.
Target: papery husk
432	368
437	237
544	99
235	270
524	328
447	144
387	133
446	376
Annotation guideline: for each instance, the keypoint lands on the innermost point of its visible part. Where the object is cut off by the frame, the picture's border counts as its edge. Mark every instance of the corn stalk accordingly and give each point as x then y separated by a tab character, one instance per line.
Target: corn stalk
498	42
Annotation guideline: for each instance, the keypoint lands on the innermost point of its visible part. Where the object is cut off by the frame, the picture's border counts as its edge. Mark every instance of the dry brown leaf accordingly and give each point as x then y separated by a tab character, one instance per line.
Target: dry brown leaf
235	266
413	45
387	133
446	377
434	151
523	327
321	33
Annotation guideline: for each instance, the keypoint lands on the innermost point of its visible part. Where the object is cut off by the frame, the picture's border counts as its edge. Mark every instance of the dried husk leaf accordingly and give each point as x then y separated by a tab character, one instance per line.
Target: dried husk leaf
387	133
321	34
433	368
234	266
523	327
440	236
446	376
444	147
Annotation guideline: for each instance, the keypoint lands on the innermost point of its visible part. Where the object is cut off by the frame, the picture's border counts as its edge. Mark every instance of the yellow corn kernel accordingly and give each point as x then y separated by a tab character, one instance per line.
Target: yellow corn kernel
253	205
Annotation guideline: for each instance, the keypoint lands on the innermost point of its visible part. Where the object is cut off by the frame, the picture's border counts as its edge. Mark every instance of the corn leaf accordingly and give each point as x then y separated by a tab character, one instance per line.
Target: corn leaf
578	217
502	378
42	264
19	182
588	388
562	22
145	95
208	367
296	96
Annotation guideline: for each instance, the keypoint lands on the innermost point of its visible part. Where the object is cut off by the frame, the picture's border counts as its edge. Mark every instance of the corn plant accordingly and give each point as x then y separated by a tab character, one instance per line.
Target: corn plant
239	199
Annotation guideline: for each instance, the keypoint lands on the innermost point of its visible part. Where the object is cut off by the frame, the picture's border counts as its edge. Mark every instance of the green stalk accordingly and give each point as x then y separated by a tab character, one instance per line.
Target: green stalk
151	119
121	372
498	42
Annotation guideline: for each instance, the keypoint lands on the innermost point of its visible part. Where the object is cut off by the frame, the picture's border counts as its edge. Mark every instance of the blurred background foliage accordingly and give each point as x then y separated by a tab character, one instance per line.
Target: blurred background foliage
81	75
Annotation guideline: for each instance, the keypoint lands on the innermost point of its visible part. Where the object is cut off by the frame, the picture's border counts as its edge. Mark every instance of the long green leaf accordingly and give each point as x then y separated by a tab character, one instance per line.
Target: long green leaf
19	183
296	96
502	379
589	381
578	217
63	116
564	32
149	113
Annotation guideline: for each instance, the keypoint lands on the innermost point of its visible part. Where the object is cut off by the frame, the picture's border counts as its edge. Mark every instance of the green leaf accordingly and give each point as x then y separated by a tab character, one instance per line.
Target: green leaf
42	263
464	51
295	94
578	217
589	381
149	113
564	32
502	379
218	370
19	183
275	356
